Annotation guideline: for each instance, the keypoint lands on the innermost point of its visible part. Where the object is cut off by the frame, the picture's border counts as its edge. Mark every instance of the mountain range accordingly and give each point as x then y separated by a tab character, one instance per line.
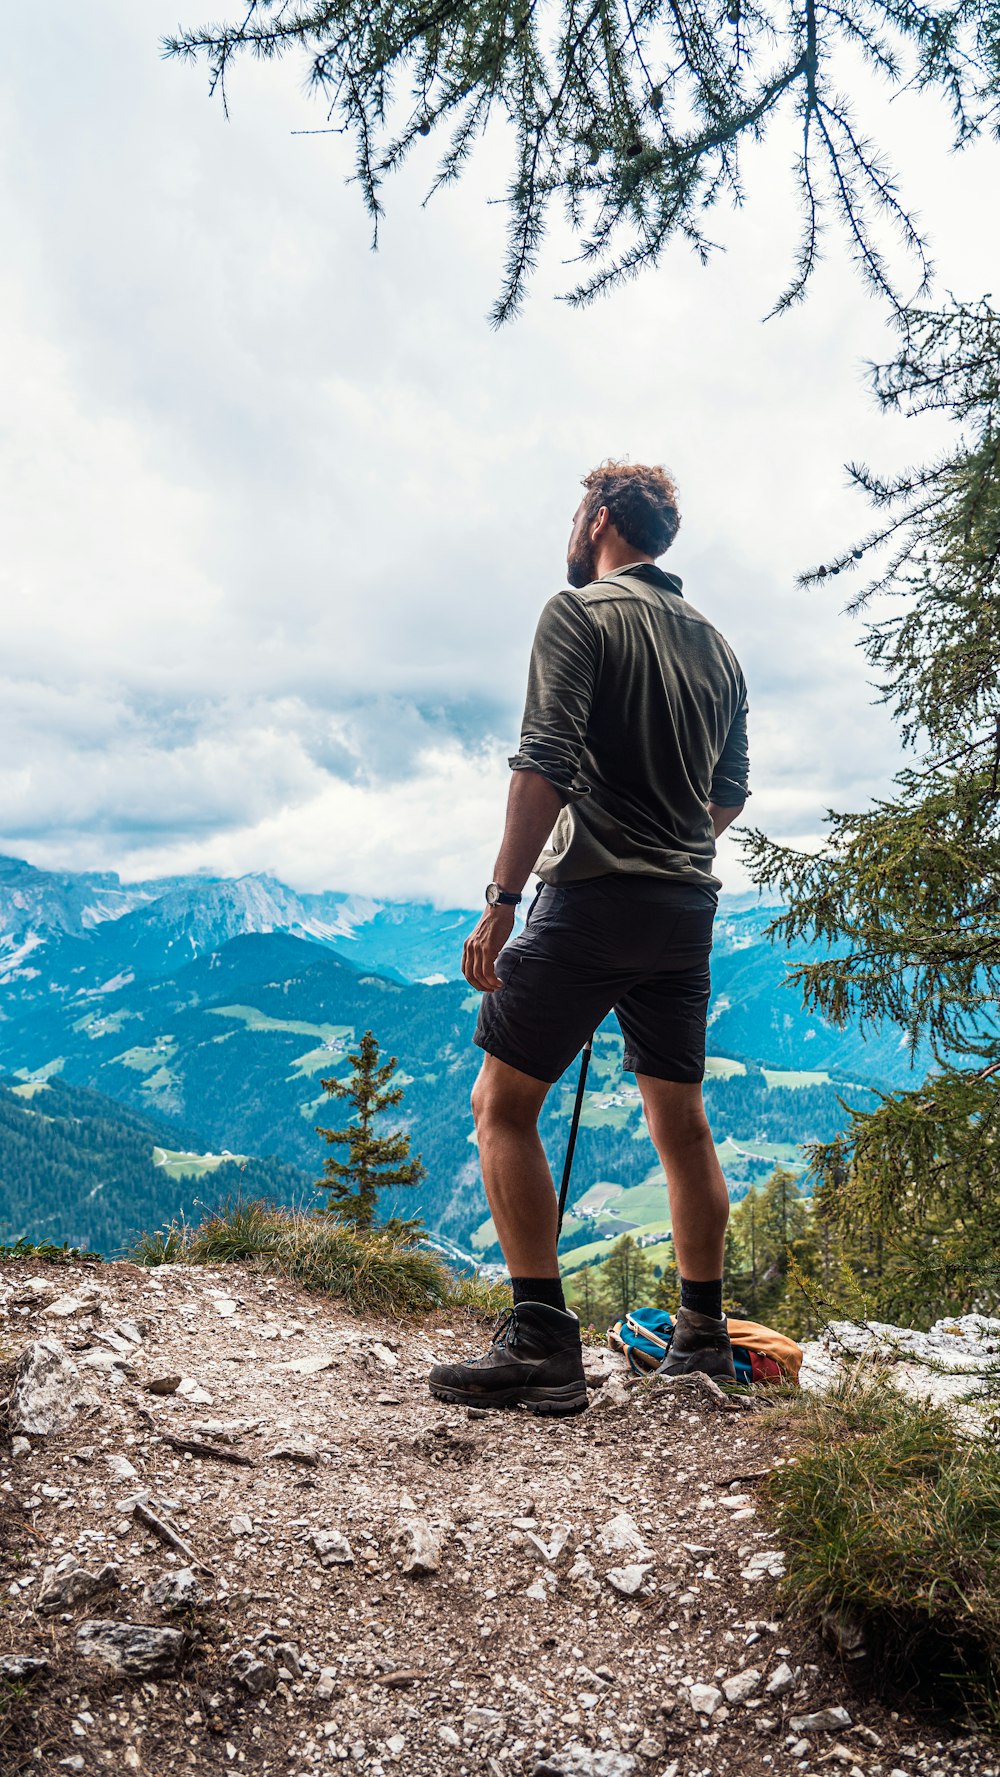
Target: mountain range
214	1007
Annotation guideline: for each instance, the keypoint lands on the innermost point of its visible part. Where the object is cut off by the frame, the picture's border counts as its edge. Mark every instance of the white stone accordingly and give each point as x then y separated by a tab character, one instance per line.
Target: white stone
225	1306
621	1535
820	1721
422	1548
306	1366
78	1301
240	1525
628	1580
448	1736
120	1467
49	1391
20	1447
585	1761
741	1685
138	1648
705	1699
193	1391
559	1548
333	1548
782	1679
386	1358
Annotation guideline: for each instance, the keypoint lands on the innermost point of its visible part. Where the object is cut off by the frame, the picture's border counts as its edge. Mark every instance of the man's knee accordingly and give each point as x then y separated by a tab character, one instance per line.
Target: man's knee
676	1115
495	1102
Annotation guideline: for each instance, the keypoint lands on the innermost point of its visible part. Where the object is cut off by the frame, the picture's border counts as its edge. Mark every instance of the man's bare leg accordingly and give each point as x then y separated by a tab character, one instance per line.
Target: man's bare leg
519	1189
699	1211
535	1359
699	1200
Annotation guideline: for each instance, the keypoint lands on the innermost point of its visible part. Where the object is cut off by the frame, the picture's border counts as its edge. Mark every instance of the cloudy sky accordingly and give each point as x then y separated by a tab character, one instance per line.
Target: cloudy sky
278	514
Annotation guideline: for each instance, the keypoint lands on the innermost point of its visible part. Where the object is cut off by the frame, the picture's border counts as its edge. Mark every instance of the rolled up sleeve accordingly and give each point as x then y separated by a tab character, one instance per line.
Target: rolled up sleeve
562	675
729	780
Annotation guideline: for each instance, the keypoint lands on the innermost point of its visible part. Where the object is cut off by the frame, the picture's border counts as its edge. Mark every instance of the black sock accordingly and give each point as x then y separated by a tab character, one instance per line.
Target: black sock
540	1289
704	1298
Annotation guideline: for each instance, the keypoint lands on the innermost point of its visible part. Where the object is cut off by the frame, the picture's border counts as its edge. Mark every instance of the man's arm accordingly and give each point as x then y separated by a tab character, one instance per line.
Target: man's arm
723	817
562	675
729	779
532	806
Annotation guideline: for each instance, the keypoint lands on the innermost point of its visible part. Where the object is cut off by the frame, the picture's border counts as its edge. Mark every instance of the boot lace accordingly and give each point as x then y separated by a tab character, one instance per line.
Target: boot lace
505	1330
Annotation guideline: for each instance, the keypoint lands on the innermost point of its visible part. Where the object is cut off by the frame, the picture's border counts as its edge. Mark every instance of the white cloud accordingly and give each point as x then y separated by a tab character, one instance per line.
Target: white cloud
278	515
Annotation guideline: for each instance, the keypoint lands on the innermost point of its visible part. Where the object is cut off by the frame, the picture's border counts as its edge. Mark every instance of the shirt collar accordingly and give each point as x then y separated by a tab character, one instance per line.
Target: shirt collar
654	576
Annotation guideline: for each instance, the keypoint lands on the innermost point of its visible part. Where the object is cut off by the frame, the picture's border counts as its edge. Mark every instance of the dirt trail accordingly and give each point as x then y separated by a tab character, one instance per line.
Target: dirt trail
387	1583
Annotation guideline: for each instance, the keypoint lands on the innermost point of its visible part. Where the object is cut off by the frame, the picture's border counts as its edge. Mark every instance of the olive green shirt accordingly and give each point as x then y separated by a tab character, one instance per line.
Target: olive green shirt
636	712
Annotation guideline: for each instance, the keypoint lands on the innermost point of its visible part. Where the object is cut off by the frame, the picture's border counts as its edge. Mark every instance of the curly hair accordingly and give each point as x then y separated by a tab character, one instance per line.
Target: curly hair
641	500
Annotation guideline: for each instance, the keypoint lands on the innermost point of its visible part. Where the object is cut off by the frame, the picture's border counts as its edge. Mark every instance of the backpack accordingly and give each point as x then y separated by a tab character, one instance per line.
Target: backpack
759	1353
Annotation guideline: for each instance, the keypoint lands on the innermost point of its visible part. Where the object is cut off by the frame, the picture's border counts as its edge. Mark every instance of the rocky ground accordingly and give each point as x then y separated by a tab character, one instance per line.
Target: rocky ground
237	1532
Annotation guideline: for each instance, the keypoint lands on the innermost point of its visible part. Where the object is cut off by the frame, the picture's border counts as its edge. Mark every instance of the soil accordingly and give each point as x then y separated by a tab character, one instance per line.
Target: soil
509	1658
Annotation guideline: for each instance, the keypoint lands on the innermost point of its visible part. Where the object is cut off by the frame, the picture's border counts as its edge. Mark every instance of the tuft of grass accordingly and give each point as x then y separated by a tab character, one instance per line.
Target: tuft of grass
370	1269
484	1300
47	1249
890	1518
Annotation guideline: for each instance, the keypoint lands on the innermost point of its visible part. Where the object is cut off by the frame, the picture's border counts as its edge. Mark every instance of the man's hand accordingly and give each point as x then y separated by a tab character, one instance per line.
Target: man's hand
483	946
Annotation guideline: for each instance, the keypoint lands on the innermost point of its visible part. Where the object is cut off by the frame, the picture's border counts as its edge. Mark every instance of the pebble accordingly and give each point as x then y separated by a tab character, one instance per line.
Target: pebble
422	1552
16	1668
741	1685
296	1450
705	1698
782	1679
332	1547
622	1535
137	1648
584	1761
628	1580
251	1672
820	1721
177	1589
306	1366
67	1584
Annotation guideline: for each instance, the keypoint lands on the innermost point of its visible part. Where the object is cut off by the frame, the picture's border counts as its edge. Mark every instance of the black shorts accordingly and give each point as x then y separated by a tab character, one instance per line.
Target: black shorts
637	945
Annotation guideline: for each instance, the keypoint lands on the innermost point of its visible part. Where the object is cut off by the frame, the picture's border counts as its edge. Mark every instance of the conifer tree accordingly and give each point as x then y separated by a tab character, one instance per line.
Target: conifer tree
374	1160
902	903
626	1277
633	117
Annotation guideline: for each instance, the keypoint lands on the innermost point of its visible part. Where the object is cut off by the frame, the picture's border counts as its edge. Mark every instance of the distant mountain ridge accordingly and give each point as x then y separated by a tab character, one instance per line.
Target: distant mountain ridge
219	1005
159	925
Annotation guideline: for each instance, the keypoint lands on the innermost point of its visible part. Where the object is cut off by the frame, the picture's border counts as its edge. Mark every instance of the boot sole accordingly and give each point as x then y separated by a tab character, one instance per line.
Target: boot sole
556	1402
695	1364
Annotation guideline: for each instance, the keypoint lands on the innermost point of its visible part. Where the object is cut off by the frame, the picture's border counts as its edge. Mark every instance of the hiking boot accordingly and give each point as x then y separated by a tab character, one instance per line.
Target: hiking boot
535	1360
700	1342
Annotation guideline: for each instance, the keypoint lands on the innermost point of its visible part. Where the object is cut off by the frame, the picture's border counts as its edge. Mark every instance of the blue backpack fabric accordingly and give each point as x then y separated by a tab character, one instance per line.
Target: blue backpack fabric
645	1334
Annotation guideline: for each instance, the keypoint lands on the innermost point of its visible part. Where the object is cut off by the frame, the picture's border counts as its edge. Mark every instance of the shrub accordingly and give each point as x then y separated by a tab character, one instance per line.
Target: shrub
370	1269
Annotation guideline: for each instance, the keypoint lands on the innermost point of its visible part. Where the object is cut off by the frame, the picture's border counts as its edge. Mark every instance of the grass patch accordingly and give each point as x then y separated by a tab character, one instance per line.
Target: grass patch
369	1270
47	1249
891	1521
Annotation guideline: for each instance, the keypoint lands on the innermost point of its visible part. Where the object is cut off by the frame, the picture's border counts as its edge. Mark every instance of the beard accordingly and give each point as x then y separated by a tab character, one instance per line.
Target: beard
581	564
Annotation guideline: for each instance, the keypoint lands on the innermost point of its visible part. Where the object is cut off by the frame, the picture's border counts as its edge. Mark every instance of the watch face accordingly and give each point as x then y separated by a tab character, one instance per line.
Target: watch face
492	894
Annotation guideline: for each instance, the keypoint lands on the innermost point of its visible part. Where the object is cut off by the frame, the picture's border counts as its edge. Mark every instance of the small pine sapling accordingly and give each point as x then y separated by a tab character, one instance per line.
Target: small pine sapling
374	1160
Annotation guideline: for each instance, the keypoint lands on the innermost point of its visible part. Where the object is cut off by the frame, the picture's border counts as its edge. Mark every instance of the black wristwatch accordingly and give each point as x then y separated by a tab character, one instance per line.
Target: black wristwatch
499	897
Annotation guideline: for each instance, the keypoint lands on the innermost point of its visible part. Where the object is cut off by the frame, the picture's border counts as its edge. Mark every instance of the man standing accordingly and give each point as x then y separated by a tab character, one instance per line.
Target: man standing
632	761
